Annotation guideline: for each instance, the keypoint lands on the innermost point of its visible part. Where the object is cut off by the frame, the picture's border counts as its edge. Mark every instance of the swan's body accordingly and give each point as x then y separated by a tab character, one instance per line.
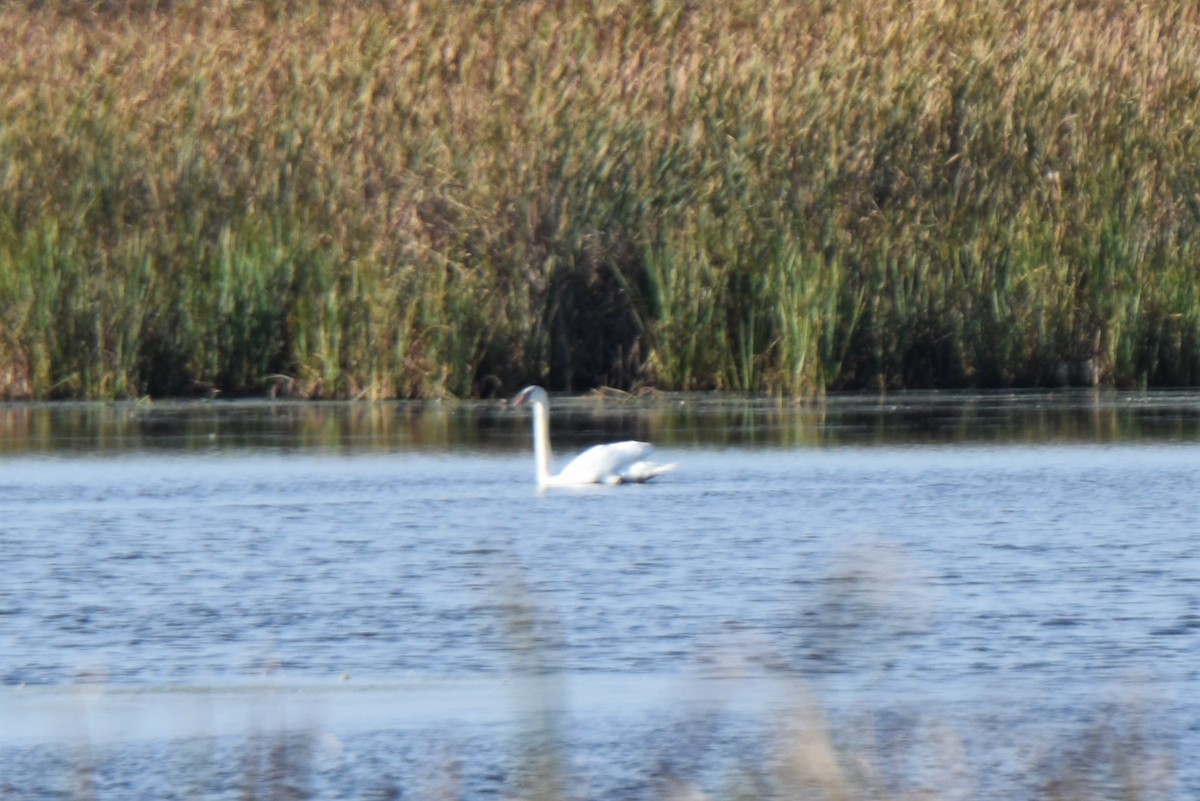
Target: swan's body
617	463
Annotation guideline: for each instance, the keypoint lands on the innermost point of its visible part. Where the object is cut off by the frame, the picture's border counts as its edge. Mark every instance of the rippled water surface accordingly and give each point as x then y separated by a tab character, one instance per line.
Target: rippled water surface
974	594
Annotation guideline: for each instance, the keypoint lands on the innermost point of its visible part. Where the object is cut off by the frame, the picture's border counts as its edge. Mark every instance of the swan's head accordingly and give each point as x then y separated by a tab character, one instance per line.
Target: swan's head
531	395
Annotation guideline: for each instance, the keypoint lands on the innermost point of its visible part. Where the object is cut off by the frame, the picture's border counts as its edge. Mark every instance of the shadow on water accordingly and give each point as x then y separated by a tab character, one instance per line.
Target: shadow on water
1082	416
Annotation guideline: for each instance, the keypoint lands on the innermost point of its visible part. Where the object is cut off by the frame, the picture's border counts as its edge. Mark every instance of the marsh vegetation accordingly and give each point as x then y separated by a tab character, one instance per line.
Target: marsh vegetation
442	199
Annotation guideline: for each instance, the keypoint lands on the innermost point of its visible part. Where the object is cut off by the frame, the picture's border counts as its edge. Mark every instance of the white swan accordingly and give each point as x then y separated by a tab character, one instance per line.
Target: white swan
617	463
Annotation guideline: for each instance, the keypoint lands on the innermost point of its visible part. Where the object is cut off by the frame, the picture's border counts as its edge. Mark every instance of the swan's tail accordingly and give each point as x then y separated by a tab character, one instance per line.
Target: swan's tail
639	472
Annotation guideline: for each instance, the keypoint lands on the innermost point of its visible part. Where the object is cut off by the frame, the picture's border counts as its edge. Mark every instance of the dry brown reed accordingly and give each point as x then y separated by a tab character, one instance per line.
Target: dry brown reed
439	198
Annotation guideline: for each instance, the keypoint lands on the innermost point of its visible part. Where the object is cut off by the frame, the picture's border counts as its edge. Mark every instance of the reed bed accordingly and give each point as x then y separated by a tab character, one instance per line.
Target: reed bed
434	198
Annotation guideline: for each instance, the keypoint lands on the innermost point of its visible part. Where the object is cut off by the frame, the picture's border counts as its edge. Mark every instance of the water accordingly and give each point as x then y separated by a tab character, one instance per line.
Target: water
979	595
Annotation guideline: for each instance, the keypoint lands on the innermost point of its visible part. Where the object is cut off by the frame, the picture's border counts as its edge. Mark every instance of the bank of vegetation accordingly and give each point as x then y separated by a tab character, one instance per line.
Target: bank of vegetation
436	198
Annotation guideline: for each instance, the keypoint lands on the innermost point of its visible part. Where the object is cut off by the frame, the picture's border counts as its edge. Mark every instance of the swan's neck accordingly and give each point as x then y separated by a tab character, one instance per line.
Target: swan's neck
541	442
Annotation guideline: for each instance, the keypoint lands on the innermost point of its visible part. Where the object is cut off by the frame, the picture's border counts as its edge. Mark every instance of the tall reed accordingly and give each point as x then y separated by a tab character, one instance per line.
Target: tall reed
434	198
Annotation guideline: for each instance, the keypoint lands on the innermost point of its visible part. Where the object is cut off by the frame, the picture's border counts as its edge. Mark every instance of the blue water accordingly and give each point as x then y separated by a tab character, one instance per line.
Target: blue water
201	600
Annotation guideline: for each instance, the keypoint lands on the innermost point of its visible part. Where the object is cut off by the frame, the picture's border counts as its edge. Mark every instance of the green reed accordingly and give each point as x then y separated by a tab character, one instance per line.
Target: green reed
433	199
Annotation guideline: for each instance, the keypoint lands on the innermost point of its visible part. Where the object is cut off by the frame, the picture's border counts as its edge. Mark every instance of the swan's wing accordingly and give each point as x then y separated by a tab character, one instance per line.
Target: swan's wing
604	464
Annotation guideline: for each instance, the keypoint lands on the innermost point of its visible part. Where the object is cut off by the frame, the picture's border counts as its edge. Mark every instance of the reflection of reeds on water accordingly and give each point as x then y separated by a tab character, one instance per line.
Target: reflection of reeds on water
669	420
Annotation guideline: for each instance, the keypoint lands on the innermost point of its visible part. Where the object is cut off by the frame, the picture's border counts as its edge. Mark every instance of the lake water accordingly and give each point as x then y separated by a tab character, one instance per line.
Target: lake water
988	596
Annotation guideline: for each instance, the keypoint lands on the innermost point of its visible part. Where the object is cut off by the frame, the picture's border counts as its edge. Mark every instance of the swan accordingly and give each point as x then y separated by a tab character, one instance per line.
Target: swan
616	463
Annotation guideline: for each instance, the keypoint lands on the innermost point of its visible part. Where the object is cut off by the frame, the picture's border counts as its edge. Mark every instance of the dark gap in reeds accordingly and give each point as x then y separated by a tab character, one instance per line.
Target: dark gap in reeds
435	198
